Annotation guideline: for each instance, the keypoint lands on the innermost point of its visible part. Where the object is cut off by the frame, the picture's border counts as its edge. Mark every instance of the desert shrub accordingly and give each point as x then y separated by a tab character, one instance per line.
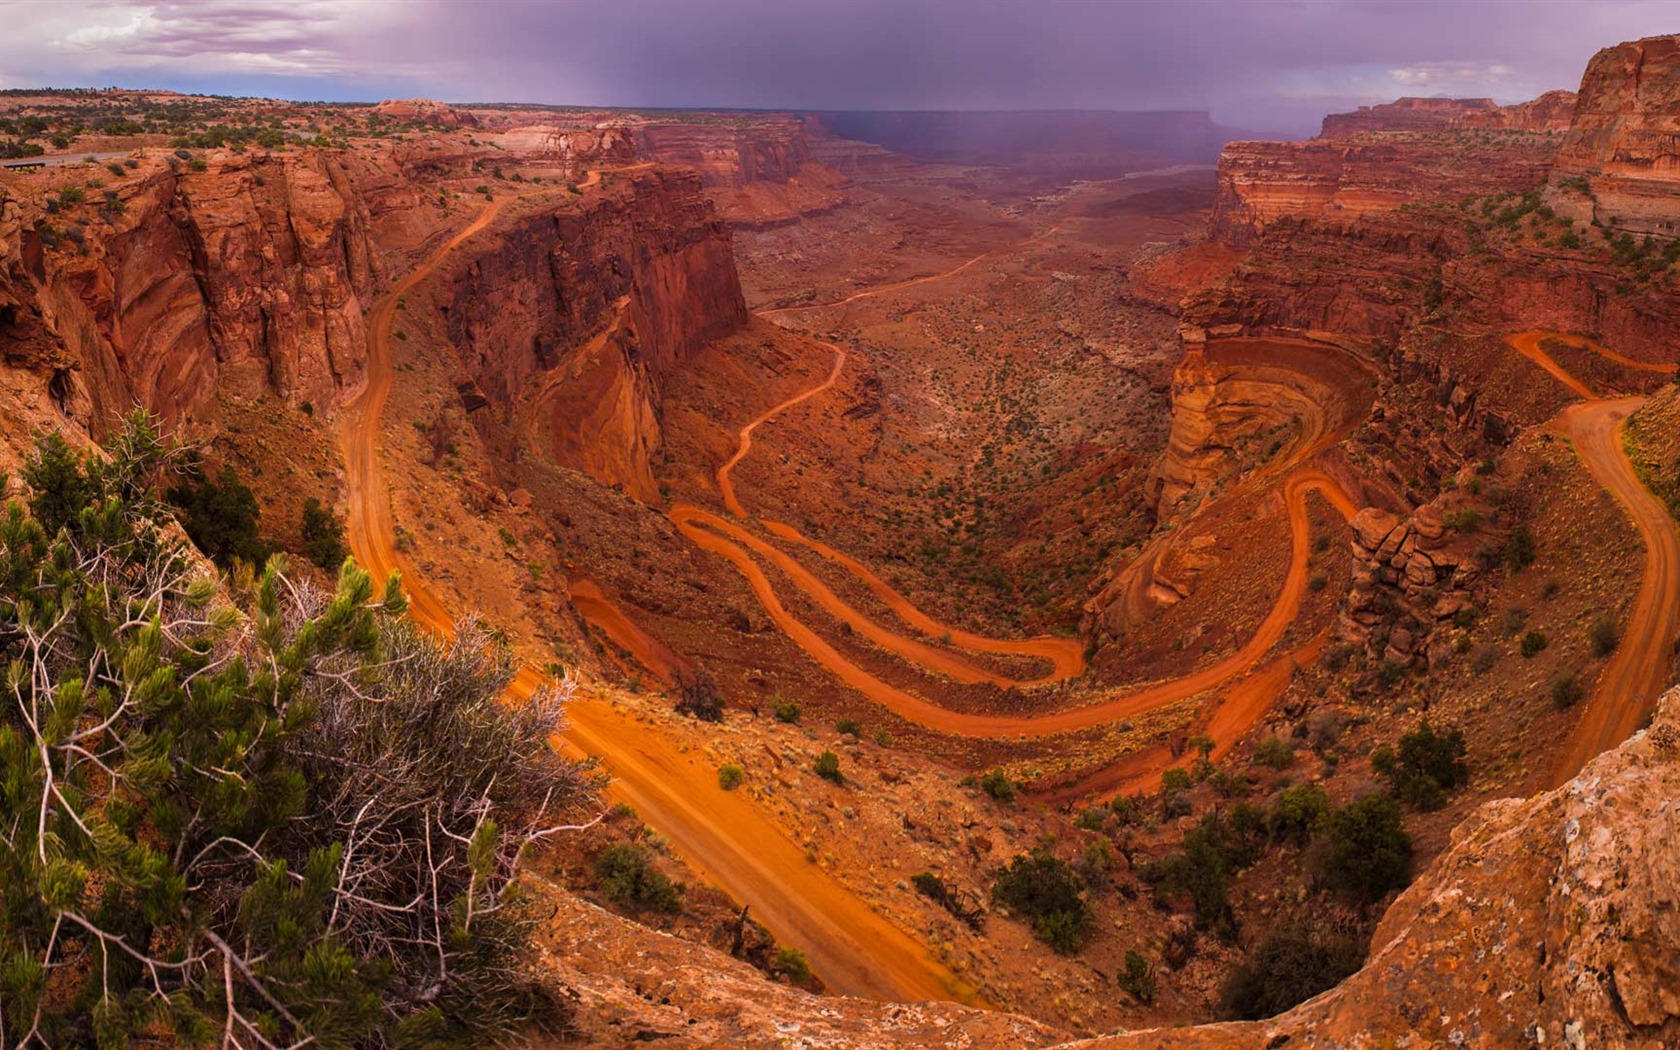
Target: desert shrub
1389	673
323	535
271	810
1286	969
1566	690
1483	657
1324	728
629	879
1127	809
1202	869
787	711
1514	620
730	776
221	516
1424	766
1274	753
959	904
848	727
1366	852
1605	635
1298	813
791	963
996	783
1137	978
1175	779
698	696
827	766
1533	644
1519	549
1045	891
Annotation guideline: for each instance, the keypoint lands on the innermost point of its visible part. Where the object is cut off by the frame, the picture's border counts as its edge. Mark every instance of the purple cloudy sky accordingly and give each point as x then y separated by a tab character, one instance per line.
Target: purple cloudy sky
1261	64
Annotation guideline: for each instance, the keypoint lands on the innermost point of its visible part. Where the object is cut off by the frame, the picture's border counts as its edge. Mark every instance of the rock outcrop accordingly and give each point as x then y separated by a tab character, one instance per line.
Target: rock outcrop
1552	921
1262	183
1619	166
760	173
1406	114
425	111
241	276
1552	113
570	322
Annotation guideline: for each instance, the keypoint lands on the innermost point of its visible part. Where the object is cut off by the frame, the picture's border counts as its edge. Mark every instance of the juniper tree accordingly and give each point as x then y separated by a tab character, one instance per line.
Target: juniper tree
252	814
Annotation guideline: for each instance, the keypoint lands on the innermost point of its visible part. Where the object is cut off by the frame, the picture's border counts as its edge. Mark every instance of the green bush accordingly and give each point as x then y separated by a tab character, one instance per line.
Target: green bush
791	962
787	711
1137	978
996	783
1367	851
219	807
1566	690
1298	813
1274	753
1605	635
827	766
628	878
1519	549
1425	766
730	776
1289	967
1533	644
323	535
1212	853
1175	779
222	517
1045	891
848	727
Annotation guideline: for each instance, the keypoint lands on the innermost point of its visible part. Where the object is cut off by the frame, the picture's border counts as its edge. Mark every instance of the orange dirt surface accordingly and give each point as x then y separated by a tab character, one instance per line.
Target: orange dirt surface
703	528
1638	670
722	836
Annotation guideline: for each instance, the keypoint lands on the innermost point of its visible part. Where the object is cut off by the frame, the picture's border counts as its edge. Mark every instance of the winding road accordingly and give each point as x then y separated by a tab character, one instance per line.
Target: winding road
1642	665
726	838
722	835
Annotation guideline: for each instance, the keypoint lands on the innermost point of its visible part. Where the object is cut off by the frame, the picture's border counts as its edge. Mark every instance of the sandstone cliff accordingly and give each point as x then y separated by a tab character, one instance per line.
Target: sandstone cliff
1551	112
1405	114
245	278
1552	921
425	111
1261	183
760	173
571	319
1623	148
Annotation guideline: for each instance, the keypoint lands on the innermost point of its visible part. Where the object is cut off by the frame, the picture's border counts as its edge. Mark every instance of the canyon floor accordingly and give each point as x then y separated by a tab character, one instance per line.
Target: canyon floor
907	526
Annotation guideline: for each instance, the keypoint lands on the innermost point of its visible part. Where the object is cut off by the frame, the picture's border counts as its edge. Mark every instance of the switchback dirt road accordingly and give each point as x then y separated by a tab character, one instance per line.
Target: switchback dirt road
720	834
1640	668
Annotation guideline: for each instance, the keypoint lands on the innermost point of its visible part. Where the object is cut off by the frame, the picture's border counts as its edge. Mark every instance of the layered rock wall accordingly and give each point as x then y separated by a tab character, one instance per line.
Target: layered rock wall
1406	114
759	173
1619	166
572	319
246	278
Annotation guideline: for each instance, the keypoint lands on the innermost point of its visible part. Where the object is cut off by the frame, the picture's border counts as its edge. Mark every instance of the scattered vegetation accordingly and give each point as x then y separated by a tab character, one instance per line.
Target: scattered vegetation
1289	967
1367	851
996	783
323	535
1425	765
629	879
263	811
730	776
827	766
1045	891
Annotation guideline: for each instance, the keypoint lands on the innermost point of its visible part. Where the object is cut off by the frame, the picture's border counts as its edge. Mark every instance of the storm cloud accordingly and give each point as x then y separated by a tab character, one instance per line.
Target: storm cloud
1274	66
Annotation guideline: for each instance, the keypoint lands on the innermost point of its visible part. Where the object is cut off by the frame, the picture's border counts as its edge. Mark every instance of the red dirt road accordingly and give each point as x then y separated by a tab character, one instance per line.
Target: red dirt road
721	834
1641	667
